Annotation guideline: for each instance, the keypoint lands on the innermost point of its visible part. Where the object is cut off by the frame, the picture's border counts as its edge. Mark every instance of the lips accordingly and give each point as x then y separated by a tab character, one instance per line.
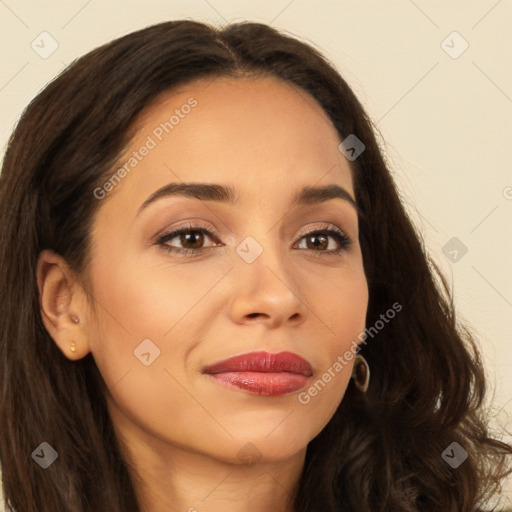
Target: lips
262	373
263	362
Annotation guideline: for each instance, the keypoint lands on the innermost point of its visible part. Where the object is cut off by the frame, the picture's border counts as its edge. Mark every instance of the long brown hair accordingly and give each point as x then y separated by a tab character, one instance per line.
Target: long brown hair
382	450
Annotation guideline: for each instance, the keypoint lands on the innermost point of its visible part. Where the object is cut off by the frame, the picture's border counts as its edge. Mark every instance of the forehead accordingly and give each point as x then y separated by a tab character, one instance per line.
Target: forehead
247	131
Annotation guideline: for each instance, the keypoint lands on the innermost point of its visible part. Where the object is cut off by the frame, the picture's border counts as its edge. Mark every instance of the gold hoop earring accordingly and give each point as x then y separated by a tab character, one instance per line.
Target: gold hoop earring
73	347
361	373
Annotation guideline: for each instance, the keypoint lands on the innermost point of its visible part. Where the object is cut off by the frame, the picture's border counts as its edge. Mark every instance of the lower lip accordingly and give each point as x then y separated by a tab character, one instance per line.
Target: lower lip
262	383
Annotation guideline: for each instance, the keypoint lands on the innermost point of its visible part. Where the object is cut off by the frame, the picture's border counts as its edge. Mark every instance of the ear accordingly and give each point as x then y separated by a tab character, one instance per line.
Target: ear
63	305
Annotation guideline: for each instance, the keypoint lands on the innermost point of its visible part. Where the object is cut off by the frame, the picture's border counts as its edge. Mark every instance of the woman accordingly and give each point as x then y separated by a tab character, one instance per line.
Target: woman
201	244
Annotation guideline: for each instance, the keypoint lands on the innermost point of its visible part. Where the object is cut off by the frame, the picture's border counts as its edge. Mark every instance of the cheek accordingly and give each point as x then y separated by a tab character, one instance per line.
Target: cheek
343	308
350	317
133	310
134	346
143	308
136	299
150	295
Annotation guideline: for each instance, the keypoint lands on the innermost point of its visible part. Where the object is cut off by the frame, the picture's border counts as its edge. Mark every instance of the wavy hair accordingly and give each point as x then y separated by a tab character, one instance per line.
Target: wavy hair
381	451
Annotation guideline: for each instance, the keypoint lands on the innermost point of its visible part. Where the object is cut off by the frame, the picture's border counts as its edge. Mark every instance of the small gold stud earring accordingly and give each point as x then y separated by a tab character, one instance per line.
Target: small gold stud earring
73	347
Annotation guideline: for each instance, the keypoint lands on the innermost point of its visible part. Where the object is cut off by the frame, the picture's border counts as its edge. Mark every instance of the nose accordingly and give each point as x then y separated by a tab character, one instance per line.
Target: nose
266	290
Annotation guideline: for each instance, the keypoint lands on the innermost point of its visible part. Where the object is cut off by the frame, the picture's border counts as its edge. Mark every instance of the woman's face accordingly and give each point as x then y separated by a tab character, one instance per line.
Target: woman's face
258	283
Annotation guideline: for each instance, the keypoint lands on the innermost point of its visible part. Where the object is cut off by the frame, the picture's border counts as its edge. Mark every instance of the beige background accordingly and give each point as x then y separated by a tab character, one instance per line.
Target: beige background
446	118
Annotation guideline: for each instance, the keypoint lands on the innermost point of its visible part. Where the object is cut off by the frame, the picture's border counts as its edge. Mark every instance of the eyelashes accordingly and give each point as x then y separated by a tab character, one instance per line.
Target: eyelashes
183	230
341	238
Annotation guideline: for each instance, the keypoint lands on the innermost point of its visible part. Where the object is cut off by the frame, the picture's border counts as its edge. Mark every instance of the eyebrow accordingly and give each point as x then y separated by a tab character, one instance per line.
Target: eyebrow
226	194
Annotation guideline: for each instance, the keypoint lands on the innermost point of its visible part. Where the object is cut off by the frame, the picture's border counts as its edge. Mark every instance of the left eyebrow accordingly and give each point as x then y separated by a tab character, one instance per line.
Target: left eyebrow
226	194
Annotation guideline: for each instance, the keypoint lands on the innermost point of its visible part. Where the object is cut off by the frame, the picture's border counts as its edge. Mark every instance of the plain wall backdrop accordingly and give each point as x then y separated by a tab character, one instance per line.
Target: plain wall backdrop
434	76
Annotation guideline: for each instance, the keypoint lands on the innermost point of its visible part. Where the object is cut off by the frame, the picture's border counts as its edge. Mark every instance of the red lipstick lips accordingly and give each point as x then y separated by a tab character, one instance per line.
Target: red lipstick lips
262	373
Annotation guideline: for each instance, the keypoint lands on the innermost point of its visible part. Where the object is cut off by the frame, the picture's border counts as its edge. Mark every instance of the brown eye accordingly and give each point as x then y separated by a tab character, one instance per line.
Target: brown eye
195	238
318	241
191	238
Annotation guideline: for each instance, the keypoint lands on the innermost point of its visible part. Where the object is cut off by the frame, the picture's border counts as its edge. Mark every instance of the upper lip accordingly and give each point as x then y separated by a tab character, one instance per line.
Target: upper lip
263	362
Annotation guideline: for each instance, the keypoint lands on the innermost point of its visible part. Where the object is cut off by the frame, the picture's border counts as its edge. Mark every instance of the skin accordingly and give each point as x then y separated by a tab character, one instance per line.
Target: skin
181	431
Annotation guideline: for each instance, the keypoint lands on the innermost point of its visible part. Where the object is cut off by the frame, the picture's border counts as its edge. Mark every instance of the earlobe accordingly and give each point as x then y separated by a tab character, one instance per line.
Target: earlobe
57	299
